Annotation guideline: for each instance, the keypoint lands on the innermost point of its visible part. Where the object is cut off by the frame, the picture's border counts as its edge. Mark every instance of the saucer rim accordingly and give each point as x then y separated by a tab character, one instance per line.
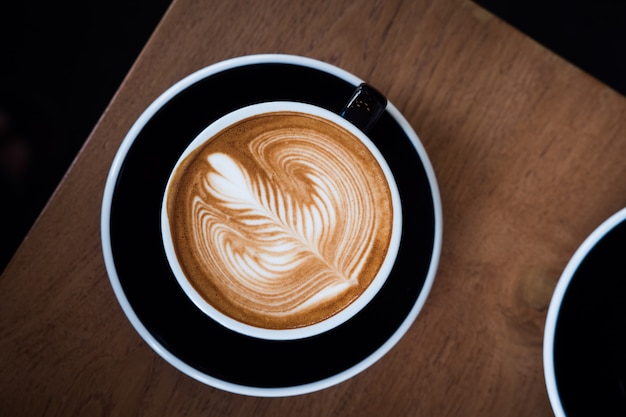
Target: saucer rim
556	302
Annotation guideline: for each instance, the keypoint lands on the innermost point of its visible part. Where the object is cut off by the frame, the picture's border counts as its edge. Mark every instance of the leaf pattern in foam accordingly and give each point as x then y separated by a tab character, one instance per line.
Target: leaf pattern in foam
282	232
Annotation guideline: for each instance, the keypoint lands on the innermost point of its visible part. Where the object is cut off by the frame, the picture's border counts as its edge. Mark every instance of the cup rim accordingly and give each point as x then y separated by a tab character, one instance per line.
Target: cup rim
557	300
339	317
158	345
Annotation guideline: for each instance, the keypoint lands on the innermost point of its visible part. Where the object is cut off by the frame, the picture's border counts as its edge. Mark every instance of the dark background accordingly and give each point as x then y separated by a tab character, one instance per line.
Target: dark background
589	33
61	64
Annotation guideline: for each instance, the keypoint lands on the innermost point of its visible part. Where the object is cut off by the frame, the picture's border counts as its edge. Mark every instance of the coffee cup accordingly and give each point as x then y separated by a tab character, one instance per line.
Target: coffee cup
282	220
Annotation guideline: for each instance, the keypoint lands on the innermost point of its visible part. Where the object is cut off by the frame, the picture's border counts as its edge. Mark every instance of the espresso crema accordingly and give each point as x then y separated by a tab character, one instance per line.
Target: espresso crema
281	220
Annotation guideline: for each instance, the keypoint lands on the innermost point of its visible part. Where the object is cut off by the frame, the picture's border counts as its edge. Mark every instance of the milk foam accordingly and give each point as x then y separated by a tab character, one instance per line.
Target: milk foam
286	225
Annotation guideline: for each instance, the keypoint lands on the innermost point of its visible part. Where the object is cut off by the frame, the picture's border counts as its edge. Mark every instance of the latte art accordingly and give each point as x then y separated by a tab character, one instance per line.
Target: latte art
280	220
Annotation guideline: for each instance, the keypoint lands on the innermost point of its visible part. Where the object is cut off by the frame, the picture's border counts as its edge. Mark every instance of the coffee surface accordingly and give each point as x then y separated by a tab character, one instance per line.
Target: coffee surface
281	220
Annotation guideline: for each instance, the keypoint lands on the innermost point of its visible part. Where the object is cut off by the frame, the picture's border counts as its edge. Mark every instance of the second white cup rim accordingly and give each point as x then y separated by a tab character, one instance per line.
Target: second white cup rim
556	304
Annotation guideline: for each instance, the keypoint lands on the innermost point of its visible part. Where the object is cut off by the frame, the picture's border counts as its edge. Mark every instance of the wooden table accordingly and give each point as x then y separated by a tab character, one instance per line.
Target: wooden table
529	155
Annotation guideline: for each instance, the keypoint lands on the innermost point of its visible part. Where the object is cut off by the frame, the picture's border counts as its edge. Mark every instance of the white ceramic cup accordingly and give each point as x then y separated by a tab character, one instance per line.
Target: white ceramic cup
332	321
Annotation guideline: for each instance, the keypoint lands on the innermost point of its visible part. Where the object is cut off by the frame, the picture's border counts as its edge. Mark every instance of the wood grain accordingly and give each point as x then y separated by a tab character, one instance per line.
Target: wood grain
528	151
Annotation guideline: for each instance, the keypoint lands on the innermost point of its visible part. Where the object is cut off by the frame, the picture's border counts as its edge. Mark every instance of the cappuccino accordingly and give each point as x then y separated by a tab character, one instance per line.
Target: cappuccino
280	220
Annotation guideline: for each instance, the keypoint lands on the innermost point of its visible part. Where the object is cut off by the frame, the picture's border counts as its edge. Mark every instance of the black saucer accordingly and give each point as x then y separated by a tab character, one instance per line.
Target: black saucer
159	309
588	366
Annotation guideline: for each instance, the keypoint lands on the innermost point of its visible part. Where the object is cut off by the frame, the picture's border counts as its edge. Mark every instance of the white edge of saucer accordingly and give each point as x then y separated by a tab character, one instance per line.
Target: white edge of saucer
557	299
112	272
